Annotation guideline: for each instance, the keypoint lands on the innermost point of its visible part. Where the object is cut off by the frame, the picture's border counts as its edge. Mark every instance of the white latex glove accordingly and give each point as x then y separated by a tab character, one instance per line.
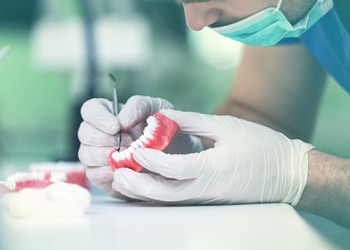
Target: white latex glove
97	137
134	114
249	163
97	134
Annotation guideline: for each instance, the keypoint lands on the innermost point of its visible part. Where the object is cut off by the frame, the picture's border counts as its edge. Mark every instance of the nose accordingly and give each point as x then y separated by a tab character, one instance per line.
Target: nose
198	17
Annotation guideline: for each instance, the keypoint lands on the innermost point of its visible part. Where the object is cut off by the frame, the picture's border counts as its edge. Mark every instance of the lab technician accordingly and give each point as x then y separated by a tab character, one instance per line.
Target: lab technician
260	152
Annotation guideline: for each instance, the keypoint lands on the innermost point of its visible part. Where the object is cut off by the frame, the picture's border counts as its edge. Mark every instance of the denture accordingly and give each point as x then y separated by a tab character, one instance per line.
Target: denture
20	180
42	175
69	172
156	135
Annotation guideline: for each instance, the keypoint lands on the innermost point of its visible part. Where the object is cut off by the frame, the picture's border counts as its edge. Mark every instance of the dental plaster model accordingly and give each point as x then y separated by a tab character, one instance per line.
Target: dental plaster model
48	190
56	201
157	135
33	195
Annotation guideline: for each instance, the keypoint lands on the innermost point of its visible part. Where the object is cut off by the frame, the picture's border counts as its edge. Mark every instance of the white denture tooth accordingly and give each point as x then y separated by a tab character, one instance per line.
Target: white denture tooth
143	139
134	145
115	155
132	150
151	120
139	143
118	156
152	126
126	150
10	184
12	180
148	130
148	135
128	153
122	155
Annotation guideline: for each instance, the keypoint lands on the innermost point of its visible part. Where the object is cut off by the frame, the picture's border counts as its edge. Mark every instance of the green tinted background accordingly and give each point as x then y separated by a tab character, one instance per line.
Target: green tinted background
37	107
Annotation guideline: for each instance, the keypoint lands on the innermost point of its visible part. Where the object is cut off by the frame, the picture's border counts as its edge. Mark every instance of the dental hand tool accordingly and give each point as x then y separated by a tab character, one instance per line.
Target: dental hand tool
115	106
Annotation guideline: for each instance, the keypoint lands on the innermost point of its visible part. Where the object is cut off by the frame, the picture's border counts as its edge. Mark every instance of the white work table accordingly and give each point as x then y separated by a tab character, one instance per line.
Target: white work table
113	224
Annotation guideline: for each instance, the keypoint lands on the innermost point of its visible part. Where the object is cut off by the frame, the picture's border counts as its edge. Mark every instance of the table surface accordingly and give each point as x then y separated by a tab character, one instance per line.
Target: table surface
113	224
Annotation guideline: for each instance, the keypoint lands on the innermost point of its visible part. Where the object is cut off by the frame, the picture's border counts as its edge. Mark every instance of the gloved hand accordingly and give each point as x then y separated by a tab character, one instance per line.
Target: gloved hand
249	163
97	134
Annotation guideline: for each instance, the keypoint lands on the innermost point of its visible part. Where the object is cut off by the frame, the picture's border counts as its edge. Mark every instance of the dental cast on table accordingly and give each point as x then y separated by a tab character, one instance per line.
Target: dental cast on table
46	191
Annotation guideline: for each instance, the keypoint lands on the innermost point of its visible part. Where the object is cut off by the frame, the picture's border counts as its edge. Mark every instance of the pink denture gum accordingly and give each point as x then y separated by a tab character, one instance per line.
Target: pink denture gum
157	135
20	180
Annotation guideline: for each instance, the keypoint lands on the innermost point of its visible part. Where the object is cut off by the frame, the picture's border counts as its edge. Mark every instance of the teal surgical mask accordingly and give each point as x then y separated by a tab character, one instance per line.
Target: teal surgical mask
269	26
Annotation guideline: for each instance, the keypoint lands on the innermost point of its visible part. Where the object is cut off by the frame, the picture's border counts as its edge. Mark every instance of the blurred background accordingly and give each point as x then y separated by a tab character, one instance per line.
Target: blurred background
55	63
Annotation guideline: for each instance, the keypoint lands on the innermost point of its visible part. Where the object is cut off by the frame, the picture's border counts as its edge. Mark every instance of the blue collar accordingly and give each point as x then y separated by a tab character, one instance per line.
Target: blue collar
329	41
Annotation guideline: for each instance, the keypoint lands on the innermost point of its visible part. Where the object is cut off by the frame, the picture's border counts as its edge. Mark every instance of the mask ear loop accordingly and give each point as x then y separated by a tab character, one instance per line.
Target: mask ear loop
279	4
278	7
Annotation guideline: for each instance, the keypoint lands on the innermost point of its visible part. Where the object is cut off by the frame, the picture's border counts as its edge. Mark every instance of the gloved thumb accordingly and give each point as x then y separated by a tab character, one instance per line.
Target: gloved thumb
195	123
139	108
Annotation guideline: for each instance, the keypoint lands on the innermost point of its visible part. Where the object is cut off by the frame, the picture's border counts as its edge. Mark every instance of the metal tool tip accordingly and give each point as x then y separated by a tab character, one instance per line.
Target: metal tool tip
112	77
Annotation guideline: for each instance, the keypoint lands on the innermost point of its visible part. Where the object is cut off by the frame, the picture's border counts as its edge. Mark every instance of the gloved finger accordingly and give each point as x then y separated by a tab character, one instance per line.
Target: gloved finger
102	178
120	189
99	176
199	124
89	135
132	197
155	188
97	112
139	108
94	156
180	167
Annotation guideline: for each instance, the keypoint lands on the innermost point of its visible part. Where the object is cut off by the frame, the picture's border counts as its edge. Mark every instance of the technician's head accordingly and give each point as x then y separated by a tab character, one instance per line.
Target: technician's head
217	13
